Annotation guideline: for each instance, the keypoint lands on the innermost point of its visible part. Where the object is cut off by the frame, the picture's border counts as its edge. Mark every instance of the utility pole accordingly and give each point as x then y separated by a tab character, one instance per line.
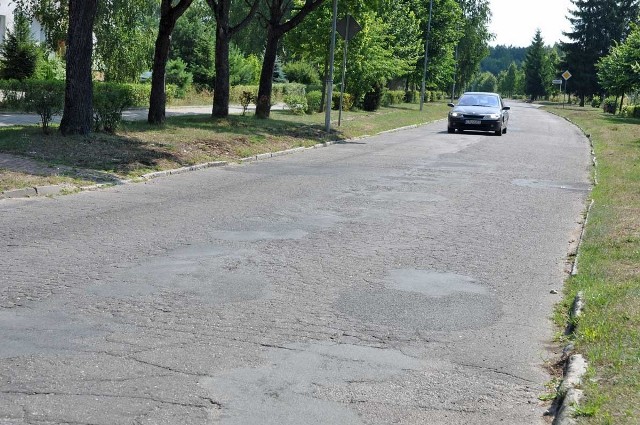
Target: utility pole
426	57
327	117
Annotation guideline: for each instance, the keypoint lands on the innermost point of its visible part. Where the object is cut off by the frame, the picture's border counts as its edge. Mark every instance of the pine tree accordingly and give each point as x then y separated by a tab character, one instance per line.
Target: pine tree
19	51
596	25
536	68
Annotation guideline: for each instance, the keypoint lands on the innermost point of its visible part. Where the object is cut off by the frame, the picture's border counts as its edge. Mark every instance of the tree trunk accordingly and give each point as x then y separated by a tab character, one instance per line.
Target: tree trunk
77	116
168	17
324	82
263	104
221	85
158	98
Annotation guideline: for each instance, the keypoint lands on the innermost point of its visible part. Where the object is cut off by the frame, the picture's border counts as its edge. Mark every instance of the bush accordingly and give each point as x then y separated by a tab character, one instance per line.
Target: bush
347	101
296	103
301	72
245	99
372	98
392	97
631	111
178	75
12	94
411	96
109	100
46	98
610	105
278	91
314	99
596	102
19	54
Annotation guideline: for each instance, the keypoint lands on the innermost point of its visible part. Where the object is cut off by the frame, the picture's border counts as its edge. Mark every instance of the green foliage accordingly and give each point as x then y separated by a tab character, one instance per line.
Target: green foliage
596	102
618	71
631	111
109	100
347	101
537	68
314	99
45	98
502	57
610	105
12	94
487	82
279	76
19	52
125	32
193	41
474	41
49	67
392	97
278	93
296	103
596	26
372	98
301	72
178	75
245	99
242	70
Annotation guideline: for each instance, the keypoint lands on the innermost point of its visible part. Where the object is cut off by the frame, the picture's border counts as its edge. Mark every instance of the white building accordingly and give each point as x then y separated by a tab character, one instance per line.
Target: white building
6	22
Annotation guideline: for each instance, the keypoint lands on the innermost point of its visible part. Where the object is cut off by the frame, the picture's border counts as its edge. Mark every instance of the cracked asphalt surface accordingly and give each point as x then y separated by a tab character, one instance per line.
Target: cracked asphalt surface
403	278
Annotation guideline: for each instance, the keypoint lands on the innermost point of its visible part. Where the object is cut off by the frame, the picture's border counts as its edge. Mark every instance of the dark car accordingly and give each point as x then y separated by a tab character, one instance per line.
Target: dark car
479	111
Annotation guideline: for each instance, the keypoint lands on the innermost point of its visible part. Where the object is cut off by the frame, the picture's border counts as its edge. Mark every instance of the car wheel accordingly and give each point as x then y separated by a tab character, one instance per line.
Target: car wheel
499	132
450	130
504	131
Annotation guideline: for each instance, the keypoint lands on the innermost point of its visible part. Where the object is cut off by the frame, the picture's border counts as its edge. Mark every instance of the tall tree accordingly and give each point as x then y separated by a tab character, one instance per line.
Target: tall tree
619	71
19	52
282	17
168	17
474	44
78	96
224	32
536	68
596	25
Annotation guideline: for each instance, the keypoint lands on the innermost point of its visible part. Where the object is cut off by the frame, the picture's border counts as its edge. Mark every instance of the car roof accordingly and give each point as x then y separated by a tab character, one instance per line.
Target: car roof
481	92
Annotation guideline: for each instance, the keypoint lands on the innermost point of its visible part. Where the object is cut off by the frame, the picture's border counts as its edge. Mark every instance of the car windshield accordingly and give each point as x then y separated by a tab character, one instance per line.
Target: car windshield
478	100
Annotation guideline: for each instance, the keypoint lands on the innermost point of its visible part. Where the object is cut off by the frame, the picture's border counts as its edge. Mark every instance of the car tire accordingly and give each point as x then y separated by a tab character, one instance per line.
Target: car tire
451	130
499	132
504	131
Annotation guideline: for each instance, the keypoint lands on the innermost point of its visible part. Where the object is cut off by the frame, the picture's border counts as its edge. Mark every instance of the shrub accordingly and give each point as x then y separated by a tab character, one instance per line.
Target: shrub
278	91
610	104
411	96
392	97
631	111
46	98
245	99
296	103
314	99
12	94
109	100
372	98
301	72
177	74
596	102
347	101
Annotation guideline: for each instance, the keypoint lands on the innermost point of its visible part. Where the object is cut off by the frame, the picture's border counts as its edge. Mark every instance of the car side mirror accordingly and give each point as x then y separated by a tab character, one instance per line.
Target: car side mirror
506	108
451	105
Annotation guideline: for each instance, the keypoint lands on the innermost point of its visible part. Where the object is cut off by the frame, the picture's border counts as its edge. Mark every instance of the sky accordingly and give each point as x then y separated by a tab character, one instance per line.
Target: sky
514	22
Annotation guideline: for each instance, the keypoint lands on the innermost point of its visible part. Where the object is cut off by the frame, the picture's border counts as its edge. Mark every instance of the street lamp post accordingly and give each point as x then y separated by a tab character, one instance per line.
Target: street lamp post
426	57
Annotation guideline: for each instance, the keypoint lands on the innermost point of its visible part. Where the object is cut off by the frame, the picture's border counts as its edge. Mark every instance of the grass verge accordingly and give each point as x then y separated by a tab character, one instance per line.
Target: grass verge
608	333
138	148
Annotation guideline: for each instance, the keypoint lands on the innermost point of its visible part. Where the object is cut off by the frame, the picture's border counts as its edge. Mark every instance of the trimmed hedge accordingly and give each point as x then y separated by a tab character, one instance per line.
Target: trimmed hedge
278	91
631	111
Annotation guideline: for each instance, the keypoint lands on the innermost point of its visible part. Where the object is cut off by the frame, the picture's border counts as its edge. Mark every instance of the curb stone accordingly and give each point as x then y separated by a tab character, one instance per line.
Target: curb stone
56	189
575	366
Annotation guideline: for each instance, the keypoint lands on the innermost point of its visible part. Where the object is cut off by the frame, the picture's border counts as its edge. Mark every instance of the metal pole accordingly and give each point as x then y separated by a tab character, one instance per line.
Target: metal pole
327	117
344	68
426	57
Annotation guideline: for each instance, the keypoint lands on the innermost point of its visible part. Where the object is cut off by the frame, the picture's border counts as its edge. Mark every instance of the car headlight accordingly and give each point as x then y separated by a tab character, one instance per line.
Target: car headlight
493	116
456	114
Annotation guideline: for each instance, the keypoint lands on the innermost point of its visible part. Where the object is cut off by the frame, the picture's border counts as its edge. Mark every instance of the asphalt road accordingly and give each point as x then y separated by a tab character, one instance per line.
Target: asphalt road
403	278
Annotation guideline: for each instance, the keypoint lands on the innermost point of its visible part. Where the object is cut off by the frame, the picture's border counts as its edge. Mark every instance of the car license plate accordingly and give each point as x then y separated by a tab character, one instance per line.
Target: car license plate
472	122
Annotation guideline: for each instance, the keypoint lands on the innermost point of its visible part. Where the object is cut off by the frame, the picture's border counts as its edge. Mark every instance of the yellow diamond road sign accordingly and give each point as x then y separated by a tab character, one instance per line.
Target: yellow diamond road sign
566	75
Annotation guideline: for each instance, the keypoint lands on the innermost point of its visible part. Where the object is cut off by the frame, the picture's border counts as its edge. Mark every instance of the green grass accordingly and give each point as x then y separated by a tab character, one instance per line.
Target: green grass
138	147
609	271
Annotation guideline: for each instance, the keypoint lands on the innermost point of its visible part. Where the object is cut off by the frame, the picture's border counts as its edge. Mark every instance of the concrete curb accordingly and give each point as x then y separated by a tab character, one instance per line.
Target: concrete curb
568	395
57	189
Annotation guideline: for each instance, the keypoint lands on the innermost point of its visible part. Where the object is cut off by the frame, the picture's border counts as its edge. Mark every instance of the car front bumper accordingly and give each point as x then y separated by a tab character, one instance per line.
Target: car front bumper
475	124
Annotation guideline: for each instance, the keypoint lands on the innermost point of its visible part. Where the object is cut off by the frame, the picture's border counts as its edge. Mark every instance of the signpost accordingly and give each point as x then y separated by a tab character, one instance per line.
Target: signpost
347	27
566	75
